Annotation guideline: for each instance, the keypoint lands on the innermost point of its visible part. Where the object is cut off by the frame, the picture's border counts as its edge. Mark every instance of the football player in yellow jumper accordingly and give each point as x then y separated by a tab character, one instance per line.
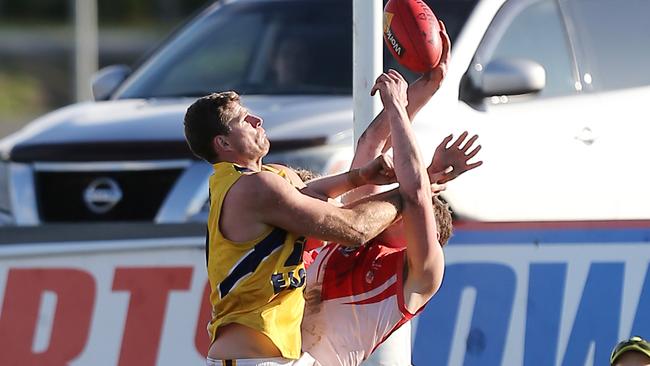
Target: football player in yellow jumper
259	217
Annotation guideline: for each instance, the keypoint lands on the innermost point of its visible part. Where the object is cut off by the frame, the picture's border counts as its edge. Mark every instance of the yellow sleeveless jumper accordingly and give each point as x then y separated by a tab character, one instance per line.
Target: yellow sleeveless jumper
257	283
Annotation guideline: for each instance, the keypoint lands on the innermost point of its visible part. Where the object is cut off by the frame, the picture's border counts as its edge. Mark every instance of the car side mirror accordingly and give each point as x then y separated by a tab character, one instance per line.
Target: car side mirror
512	77
105	81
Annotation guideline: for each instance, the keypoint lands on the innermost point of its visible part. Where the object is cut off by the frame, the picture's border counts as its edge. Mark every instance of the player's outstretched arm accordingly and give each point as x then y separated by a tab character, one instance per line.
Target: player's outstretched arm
425	261
376	138
378	171
270	199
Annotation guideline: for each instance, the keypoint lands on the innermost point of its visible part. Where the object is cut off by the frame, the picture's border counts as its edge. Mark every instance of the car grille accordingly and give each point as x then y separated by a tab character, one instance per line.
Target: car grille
62	196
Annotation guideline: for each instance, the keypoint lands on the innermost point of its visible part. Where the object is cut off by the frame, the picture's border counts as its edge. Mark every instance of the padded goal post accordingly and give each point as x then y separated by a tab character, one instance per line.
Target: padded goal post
367	62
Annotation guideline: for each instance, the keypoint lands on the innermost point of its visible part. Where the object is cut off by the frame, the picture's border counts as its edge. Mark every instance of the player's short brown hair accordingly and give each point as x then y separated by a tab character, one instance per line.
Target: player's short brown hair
207	117
305	174
443	220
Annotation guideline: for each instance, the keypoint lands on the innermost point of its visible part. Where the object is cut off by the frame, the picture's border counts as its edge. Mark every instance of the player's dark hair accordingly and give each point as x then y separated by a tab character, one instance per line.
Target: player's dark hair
207	117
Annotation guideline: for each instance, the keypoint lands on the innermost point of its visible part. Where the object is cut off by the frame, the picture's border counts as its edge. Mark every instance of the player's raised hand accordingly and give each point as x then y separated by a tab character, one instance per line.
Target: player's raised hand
435	77
392	89
379	171
451	161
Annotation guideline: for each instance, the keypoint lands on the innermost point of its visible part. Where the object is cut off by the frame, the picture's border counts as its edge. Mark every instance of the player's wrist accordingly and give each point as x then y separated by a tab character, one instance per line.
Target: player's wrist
395	106
355	178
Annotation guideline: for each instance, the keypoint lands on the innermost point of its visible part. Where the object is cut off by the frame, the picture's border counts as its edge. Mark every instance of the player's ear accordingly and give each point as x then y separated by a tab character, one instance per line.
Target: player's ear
220	143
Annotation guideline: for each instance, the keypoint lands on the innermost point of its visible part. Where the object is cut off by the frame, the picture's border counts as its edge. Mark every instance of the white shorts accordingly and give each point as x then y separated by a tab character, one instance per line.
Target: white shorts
304	360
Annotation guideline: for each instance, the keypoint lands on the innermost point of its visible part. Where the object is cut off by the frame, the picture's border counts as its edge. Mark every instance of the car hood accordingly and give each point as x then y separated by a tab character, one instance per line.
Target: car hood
132	129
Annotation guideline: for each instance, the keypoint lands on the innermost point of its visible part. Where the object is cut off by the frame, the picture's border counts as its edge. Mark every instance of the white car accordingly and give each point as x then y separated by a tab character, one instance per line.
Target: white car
554	88
556	91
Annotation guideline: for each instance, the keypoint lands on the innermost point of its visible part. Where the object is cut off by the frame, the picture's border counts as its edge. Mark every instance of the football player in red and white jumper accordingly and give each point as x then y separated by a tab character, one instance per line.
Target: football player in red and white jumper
357	297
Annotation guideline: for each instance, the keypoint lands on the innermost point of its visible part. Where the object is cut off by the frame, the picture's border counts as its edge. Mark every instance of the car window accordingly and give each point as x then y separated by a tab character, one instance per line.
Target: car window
204	65
615	41
266	47
251	47
534	32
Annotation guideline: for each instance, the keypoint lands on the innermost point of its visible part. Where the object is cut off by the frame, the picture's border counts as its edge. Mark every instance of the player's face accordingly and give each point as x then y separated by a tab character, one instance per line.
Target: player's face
247	137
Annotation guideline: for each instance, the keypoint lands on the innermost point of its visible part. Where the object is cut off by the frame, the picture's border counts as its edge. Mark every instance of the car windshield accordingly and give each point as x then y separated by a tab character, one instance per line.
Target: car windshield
265	47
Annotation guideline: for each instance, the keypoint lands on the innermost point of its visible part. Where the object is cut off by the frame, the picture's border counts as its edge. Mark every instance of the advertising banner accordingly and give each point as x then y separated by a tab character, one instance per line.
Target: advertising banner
512	295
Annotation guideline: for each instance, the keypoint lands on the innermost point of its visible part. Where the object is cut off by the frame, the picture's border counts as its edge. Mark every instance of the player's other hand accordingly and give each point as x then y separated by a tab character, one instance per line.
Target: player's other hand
435	77
392	89
451	161
379	171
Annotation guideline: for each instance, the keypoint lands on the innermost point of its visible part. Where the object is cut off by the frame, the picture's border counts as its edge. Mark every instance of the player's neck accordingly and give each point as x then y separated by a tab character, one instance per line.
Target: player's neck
254	165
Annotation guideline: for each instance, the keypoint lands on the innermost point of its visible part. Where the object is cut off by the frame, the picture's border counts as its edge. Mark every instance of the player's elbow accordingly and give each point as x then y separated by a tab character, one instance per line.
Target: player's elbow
428	280
359	233
427	275
354	238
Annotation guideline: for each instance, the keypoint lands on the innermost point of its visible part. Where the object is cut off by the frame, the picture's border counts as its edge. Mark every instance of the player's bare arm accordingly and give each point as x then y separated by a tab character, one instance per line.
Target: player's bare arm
376	172
424	257
376	138
265	198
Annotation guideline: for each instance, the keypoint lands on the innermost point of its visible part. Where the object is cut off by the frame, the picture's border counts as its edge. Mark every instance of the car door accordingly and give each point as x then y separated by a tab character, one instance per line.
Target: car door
535	167
613	52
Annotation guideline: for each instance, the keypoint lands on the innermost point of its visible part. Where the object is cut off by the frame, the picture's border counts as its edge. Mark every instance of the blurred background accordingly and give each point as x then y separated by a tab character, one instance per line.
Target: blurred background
37	48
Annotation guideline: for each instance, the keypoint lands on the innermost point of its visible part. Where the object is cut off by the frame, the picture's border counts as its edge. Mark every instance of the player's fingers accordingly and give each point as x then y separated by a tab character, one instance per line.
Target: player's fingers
469	143
446	42
445	141
474	165
380	83
460	139
396	74
382	78
473	152
442	26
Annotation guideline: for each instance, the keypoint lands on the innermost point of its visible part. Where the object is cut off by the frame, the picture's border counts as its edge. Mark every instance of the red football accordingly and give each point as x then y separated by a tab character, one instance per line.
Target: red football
412	34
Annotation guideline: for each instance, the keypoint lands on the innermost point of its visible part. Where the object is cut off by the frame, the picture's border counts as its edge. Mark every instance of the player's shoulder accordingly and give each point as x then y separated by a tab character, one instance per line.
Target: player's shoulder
287	172
260	181
258	189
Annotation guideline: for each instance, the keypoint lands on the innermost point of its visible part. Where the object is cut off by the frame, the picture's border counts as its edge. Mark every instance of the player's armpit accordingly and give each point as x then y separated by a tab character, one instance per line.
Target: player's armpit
420	286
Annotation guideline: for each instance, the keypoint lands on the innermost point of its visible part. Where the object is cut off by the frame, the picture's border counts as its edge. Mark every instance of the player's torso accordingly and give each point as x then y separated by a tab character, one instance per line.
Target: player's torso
352	302
256	283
